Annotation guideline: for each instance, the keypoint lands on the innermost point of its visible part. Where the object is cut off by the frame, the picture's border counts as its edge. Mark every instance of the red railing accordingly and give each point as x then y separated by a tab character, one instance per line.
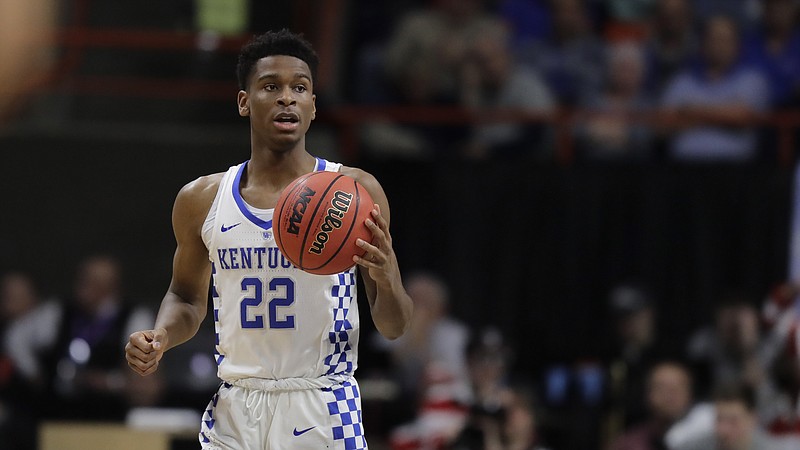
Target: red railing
77	39
349	118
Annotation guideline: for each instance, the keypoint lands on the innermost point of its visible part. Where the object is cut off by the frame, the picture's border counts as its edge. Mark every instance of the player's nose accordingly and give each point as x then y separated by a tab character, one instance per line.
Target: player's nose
286	98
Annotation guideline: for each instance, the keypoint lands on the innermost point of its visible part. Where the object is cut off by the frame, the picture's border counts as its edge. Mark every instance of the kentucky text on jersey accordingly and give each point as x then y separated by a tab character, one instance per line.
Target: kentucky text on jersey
252	258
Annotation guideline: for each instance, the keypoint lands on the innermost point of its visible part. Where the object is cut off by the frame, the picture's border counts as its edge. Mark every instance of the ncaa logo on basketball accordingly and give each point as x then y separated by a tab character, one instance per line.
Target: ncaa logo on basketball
298	209
340	204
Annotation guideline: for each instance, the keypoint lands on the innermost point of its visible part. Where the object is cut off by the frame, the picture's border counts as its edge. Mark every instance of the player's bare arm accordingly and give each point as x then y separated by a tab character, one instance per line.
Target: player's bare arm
184	305
389	303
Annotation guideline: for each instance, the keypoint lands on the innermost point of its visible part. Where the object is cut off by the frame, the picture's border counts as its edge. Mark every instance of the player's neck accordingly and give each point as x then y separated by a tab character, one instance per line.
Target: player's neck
278	168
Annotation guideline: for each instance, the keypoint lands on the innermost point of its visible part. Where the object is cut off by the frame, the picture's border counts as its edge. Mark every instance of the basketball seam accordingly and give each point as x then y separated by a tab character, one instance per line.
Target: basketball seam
314	215
279	233
349	230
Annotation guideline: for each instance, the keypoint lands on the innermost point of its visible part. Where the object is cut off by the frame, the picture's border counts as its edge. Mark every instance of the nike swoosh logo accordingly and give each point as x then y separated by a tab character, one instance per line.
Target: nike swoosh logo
298	433
224	228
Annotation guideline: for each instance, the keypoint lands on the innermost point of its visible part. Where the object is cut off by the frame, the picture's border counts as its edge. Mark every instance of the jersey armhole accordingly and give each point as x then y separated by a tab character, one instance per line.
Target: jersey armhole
209	230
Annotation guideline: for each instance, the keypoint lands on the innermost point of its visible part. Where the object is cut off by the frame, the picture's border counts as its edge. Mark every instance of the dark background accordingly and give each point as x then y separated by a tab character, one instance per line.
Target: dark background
95	150
532	248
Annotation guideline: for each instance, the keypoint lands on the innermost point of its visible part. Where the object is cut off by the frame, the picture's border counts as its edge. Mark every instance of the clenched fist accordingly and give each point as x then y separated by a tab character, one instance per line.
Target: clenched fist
145	349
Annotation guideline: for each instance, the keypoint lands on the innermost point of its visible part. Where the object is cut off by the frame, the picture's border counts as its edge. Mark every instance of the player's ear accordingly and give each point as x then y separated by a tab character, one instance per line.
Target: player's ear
244	104
313	106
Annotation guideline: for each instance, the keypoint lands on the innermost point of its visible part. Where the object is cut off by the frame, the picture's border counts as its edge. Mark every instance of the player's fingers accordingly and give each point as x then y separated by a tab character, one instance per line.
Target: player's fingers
138	365
141	340
150	370
135	352
377	233
143	371
379	219
363	262
373	254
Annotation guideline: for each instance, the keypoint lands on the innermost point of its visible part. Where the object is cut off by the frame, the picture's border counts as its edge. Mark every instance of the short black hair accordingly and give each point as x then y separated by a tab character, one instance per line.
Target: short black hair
283	42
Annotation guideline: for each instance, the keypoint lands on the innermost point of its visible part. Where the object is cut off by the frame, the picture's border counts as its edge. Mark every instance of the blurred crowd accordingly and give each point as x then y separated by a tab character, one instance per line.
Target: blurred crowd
62	358
733	384
672	79
683	80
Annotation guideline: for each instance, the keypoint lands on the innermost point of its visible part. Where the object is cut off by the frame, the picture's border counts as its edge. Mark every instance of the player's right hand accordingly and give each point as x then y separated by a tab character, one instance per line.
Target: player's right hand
145	349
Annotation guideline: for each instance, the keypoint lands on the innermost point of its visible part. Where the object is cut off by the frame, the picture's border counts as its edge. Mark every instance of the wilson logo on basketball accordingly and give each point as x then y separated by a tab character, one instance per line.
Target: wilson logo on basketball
298	209
340	204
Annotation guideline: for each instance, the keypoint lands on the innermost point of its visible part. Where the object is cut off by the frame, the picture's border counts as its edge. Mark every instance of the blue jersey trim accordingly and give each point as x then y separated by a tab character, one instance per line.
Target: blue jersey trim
265	224
237	197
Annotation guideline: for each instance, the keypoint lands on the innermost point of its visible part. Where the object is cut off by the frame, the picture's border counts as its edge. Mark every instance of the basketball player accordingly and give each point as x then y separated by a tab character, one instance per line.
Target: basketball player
286	340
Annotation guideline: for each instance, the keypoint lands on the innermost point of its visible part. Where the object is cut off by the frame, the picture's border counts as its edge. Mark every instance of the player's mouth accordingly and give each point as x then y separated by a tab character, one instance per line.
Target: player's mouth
286	121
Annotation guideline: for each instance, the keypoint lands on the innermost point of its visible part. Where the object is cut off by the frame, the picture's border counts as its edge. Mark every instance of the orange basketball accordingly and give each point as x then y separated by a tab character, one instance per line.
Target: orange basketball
319	217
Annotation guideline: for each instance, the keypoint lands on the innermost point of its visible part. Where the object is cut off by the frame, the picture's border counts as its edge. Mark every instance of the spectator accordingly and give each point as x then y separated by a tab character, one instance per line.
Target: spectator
492	81
519	430
372	25
81	345
671	44
513	427
775	49
24	314
502	414
571	57
421	65
720	94
736	426
778	410
729	351
20	399
608	131
435	344
672	419
635	350
779	398
424	56
18	296
489	362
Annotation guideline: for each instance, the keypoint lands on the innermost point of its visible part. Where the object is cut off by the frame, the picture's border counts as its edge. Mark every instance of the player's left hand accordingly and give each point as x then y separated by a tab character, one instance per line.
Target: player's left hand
379	259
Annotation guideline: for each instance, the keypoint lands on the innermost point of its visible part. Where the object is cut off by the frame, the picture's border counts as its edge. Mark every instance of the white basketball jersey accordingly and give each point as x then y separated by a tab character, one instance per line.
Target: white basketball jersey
273	320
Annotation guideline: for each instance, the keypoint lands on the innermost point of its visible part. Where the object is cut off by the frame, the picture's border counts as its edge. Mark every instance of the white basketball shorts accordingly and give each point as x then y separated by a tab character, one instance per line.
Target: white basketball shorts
246	418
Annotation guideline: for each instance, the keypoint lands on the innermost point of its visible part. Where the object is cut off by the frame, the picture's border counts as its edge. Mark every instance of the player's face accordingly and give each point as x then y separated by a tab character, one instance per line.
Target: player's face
279	100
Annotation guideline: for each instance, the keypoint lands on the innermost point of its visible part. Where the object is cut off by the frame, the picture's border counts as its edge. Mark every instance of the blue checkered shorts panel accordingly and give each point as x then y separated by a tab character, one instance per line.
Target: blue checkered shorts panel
345	410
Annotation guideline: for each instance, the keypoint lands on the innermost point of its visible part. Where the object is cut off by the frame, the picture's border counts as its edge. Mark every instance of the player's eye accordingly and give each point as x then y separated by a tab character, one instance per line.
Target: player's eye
300	88
270	87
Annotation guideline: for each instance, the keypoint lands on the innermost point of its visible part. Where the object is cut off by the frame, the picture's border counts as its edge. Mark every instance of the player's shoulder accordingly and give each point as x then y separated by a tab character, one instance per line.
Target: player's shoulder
365	178
198	194
202	187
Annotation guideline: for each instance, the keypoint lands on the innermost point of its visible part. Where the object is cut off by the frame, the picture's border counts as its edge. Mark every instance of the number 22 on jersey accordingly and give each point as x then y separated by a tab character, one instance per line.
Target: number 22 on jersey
281	290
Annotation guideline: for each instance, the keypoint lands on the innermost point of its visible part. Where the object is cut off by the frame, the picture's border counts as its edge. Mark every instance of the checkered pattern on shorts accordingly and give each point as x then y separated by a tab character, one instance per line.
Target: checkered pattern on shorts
346	413
208	419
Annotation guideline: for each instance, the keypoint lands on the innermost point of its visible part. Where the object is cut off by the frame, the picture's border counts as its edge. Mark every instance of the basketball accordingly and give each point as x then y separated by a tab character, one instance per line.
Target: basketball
319	217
